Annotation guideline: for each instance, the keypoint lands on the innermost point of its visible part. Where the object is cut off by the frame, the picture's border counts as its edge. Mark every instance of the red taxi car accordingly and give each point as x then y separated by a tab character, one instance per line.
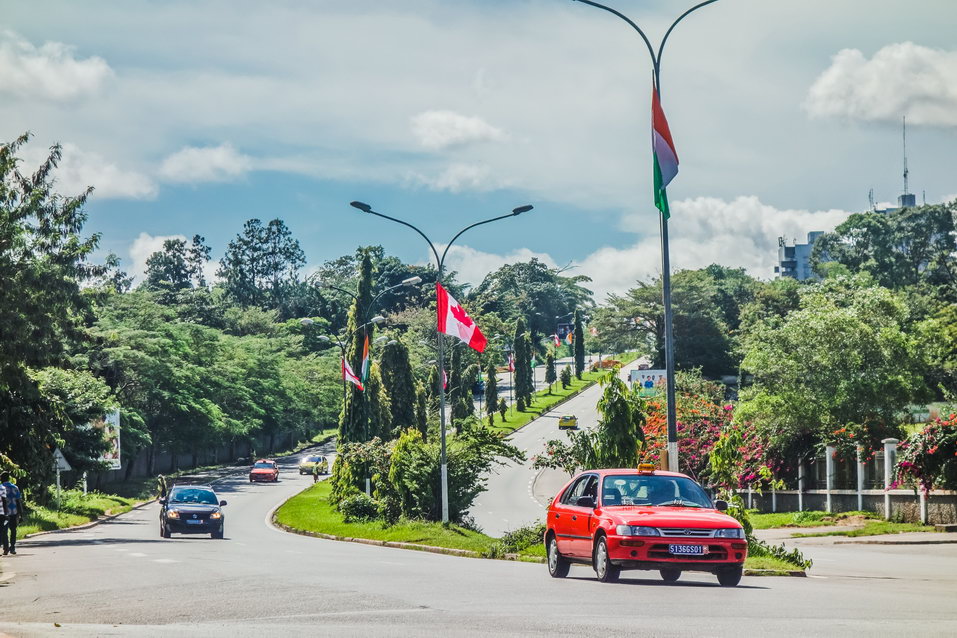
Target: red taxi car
642	519
264	470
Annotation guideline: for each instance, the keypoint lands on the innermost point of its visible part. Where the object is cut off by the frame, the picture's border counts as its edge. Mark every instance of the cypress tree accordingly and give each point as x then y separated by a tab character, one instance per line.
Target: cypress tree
422	410
523	366
550	375
379	405
491	392
578	344
399	384
354	418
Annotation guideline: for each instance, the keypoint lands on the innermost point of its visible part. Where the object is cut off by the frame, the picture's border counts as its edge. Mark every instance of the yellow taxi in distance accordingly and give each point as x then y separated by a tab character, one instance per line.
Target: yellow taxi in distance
309	462
568	422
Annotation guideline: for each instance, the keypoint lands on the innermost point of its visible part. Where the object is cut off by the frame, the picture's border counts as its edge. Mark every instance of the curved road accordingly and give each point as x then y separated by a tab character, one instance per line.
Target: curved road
120	579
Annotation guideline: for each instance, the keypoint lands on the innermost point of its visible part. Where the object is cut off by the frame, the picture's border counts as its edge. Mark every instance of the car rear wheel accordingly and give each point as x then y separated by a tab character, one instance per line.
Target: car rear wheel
729	576
670	575
557	564
604	569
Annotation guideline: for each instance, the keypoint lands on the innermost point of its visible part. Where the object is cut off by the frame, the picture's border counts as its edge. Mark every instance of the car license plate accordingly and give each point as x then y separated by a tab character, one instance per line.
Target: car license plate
190	521
687	550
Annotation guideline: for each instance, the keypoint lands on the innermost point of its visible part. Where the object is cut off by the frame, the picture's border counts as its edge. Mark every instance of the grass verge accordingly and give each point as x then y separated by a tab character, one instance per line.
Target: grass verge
873	528
806	518
544	400
75	509
311	511
778	566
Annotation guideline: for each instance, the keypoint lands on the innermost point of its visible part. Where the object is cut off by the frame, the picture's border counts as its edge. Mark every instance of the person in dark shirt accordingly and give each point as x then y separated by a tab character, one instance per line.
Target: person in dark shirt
13	513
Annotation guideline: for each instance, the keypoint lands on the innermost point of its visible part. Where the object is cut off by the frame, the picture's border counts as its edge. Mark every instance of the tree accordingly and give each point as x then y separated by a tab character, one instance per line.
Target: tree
422	410
523	365
42	306
845	358
380	406
400	386
167	269
566	377
491	392
354	420
550	375
578	343
620	436
261	266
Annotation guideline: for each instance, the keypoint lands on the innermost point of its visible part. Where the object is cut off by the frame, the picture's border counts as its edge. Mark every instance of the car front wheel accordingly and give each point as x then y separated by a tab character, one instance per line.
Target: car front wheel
604	569
729	576
218	534
164	531
557	564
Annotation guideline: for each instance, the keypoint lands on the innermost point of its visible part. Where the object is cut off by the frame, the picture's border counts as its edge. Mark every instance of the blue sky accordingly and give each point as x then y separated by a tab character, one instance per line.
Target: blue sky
193	117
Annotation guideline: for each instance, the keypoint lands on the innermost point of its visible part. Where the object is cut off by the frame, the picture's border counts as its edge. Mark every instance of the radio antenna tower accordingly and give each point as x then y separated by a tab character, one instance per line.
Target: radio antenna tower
906	192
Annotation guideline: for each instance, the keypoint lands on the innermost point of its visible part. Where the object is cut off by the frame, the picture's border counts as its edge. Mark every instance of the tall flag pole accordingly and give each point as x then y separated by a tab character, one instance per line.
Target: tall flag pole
665	155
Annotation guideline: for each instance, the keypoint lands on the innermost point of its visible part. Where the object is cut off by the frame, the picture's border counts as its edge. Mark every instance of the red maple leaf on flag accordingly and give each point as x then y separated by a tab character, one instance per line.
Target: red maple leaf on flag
459	313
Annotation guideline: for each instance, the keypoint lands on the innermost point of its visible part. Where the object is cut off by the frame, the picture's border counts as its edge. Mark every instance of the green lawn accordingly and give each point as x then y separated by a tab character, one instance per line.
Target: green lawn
874	528
311	511
807	518
75	509
769	563
545	399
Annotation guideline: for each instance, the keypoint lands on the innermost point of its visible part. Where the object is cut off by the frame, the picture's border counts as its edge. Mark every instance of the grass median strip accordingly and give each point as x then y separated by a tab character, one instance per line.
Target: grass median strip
310	511
872	528
544	400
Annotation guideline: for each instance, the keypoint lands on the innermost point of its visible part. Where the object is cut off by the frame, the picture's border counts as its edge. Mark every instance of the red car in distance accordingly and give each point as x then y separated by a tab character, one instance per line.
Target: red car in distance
642	519
264	470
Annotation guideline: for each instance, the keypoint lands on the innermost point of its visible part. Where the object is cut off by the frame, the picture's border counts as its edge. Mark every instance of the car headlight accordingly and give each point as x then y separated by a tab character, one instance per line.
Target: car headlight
734	532
216	515
637	530
172	514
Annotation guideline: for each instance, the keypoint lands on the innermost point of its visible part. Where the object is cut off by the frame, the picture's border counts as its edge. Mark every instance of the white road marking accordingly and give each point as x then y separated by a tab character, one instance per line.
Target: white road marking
164	560
138	554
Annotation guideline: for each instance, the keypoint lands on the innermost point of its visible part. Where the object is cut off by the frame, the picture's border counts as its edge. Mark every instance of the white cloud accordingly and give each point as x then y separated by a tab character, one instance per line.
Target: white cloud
457	178
48	72
741	233
141	249
441	129
901	79
79	169
946	199
207	164
472	265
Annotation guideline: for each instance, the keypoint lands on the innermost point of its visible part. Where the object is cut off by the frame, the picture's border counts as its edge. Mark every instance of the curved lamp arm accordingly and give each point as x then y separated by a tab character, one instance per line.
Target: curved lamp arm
365	208
516	211
651	50
661	47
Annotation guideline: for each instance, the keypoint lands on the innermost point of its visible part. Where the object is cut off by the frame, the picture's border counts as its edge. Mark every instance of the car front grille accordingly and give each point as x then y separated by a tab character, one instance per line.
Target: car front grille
686	532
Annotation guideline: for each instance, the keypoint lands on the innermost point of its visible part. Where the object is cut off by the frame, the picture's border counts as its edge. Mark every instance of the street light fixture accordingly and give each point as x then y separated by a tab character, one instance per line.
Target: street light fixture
663	220
440	263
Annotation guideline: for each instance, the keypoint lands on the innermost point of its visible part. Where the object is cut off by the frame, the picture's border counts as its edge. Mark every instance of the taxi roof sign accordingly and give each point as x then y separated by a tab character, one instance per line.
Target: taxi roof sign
648	468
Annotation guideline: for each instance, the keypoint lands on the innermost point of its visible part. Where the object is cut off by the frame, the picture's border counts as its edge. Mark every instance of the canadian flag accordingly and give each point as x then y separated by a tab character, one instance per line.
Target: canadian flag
350	376
556	340
511	363
454	321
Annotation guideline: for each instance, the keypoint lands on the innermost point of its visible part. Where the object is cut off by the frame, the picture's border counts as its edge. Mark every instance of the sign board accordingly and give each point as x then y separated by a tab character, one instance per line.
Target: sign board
649	382
110	428
60	461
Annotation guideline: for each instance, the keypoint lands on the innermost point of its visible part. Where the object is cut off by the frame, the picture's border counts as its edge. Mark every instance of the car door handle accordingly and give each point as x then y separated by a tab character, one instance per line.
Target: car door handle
558	515
574	518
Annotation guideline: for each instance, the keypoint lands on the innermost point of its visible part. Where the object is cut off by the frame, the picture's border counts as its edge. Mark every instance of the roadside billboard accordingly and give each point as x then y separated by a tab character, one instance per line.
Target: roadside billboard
109	426
649	382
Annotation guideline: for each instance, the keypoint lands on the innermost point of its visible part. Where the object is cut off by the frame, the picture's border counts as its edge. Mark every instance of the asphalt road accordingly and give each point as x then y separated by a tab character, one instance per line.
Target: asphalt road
510	501
120	579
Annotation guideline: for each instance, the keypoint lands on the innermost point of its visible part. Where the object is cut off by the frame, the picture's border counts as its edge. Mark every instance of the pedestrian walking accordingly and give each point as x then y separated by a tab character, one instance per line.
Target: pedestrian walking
315	472
161	486
12	513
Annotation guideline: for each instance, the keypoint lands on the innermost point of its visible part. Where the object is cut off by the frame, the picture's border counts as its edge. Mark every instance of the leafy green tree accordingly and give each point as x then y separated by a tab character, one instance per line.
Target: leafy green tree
261	266
400	386
620	436
550	375
523	365
421	410
844	358
901	248
491	392
578	344
167	269
566	377
42	306
380	405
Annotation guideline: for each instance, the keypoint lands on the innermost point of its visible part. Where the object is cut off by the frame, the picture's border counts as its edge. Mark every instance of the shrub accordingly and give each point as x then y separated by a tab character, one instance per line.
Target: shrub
359	508
522	538
930	456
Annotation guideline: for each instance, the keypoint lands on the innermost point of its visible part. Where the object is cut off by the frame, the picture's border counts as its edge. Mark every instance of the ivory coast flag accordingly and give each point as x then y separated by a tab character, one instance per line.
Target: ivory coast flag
569	338
364	369
666	158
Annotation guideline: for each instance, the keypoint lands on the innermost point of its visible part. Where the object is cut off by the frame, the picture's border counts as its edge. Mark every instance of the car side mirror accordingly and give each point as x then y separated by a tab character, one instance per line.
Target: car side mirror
721	505
586	501
221	503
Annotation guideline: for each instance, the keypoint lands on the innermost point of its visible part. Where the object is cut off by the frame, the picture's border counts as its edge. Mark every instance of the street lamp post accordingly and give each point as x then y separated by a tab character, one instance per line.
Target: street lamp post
439	263
665	258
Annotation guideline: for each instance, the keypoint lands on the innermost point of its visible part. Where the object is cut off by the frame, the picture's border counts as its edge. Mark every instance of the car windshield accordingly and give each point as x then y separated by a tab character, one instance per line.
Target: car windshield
313	459
193	495
264	466
651	489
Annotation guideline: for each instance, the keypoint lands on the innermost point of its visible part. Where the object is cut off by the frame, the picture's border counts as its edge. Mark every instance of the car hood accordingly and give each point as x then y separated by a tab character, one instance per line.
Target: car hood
692	517
264	470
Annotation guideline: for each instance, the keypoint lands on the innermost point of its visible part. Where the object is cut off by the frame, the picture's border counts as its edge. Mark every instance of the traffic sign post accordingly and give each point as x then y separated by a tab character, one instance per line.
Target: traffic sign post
63	465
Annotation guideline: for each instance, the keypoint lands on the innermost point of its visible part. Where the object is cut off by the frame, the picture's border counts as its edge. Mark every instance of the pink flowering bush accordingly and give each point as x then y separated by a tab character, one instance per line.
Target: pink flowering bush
929	458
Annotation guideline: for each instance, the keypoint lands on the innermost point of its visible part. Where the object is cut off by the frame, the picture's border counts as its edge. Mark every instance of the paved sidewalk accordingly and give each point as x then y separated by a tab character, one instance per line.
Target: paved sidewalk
784	534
